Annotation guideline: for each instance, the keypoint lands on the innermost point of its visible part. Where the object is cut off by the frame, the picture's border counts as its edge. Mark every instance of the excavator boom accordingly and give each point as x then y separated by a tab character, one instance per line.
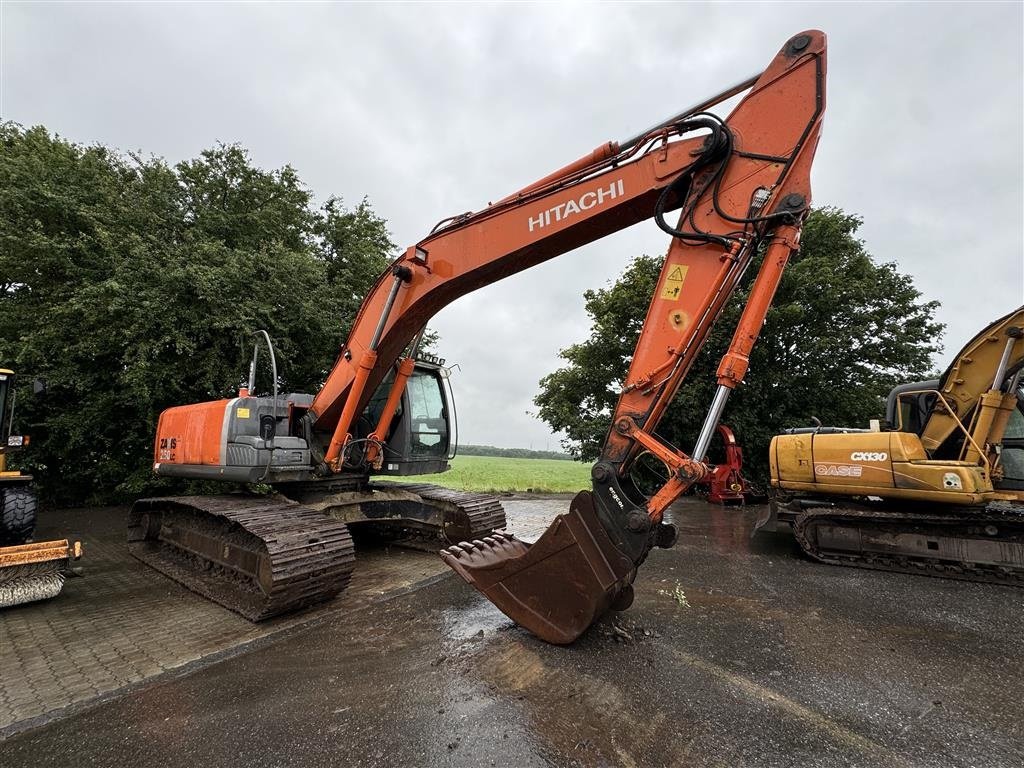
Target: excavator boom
979	368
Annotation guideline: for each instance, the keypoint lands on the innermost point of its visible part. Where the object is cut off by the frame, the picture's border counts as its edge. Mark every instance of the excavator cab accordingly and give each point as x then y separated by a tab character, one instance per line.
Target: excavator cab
17	493
28	571
422	438
1013	449
909	405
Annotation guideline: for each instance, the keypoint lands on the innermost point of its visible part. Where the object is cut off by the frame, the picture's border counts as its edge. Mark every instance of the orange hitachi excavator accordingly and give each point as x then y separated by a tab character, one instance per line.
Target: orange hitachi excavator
742	185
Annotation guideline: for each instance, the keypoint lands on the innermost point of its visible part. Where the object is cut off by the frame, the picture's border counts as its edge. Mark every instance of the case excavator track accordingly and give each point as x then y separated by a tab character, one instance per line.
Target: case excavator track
258	556
981	544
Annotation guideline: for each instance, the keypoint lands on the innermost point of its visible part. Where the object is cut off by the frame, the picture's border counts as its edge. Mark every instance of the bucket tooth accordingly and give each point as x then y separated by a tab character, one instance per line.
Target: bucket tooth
555	588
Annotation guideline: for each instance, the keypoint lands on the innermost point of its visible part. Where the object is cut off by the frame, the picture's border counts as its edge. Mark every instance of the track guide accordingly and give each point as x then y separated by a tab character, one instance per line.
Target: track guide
463	515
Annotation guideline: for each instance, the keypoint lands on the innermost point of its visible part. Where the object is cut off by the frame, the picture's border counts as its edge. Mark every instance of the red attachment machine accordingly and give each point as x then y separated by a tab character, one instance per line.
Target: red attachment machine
726	484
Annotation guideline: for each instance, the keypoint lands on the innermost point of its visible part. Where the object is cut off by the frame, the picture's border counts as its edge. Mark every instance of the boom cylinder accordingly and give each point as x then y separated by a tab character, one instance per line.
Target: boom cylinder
997	381
367	361
405	369
341	434
388	304
994	409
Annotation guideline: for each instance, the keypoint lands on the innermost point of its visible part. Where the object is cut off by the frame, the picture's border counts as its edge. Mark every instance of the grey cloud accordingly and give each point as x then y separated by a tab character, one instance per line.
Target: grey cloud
432	110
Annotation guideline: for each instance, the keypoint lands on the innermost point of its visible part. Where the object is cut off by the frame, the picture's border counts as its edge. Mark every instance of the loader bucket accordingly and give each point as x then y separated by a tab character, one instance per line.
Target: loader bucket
556	587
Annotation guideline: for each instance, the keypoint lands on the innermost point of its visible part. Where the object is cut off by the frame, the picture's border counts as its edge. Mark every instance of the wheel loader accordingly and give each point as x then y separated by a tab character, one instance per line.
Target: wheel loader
28	571
936	488
741	185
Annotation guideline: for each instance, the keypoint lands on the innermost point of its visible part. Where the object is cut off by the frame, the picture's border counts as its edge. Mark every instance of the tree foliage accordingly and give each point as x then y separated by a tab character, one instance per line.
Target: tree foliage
843	330
511	453
131	285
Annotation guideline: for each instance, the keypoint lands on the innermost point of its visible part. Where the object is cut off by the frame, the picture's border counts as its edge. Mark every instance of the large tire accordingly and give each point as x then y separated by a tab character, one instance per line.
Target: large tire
17	514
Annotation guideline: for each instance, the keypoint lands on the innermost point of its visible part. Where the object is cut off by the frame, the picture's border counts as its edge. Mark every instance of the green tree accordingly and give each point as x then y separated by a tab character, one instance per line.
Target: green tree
843	330
131	285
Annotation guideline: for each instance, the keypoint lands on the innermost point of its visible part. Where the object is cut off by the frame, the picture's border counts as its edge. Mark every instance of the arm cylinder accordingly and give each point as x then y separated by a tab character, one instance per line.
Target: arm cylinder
735	362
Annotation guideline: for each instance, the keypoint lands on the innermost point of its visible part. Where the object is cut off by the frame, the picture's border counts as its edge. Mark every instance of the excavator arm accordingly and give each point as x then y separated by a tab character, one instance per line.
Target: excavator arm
742	186
976	397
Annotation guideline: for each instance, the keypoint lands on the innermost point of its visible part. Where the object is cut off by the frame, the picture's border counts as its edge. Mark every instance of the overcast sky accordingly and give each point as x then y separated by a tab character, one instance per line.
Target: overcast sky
434	110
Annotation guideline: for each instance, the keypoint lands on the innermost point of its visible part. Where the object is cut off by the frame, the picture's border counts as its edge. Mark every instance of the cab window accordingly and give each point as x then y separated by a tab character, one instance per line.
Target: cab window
428	415
1013	447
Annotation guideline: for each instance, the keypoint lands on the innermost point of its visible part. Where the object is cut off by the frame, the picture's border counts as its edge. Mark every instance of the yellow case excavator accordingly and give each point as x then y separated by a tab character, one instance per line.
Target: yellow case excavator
28	571
938	489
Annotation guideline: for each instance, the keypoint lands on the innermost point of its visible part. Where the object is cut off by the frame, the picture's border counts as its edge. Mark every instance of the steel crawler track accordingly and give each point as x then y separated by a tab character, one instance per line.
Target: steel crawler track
984	544
263	556
465	515
258	556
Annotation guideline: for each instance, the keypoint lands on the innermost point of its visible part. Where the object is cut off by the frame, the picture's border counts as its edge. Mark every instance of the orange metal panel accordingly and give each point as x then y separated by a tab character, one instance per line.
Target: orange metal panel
192	434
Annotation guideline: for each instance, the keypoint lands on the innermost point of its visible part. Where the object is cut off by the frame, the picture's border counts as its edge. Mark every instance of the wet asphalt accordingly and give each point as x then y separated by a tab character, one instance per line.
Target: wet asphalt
735	653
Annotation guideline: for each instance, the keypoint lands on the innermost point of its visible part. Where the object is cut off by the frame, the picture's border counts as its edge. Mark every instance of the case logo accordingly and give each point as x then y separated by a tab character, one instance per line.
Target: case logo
838	470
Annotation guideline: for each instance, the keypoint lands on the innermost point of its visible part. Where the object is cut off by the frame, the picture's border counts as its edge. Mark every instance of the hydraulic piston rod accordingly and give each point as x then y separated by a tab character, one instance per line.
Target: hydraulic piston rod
700	450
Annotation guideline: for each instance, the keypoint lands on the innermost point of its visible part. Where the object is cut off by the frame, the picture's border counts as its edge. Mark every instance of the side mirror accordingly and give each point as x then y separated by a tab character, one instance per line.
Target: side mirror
38	387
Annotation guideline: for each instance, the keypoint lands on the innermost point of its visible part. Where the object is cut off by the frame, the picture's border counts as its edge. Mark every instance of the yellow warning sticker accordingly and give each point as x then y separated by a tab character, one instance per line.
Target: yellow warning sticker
673	287
242	413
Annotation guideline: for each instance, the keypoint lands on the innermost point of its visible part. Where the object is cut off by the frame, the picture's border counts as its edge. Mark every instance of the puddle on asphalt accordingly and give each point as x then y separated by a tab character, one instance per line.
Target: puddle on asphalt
723	529
477	619
586	713
726	529
529	518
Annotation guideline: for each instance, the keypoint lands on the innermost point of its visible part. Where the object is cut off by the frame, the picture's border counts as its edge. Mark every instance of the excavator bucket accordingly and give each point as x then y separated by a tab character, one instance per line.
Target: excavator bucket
556	587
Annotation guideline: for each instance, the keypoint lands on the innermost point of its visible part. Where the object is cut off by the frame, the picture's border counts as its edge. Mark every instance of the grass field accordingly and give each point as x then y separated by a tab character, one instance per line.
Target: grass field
495	474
